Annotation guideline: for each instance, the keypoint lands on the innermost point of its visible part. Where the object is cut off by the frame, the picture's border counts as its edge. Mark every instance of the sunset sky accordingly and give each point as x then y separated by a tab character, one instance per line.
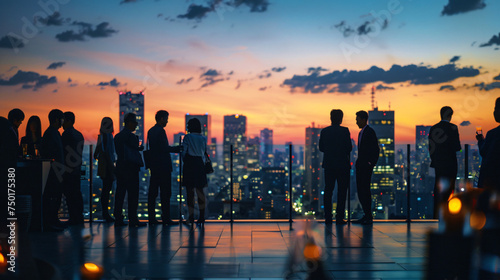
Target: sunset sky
282	63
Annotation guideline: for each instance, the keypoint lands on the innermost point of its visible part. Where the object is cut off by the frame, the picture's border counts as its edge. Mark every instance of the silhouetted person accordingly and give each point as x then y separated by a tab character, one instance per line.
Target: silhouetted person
335	143
16	118
52	148
33	137
194	176
9	148
489	148
161	170
105	154
73	143
368	153
128	164
444	143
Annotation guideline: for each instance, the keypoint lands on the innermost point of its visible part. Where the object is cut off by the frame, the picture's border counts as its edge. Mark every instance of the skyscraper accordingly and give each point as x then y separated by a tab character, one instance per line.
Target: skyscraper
235	133
314	180
383	193
253	148
266	148
205	121
422	158
133	103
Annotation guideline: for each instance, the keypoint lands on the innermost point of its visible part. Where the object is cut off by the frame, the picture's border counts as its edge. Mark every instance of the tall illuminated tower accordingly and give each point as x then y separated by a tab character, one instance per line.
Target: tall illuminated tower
382	186
314	180
235	133
266	147
205	121
133	103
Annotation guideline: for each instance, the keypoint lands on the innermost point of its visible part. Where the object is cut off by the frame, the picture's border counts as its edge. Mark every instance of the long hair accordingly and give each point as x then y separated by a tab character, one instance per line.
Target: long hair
194	125
38	127
106	126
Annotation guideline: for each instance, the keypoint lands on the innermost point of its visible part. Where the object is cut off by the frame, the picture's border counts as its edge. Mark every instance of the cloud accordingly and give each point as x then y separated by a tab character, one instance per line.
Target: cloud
55	19
368	26
417	75
28	80
382	87
86	30
262	88
495	40
454	59
196	12
278	69
112	83
462	6
347	88
238	85
11	42
497	78
56	65
488	87
257	6
465	123
265	75
127	1
211	72
184	81
446	87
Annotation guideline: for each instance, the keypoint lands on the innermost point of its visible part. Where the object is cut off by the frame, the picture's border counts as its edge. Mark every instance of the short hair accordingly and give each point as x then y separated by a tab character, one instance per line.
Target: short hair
497	104
130	117
336	116
162	114
16	115
446	112
194	125
55	115
106	125
69	116
362	114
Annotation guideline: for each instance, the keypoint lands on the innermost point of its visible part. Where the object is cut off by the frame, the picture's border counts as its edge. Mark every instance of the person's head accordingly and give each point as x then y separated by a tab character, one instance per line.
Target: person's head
361	119
69	120
194	126
130	121
106	126
56	118
496	113
16	117
34	126
336	116
446	113
161	118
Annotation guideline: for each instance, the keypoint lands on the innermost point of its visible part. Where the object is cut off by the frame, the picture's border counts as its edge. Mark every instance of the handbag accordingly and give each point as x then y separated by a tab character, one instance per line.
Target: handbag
208	164
147	156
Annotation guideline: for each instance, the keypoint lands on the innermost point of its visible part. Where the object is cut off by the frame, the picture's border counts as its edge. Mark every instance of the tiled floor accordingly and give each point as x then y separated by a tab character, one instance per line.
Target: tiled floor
241	251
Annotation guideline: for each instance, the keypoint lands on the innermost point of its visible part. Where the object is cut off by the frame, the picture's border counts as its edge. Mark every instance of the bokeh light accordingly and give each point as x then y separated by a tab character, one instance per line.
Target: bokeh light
455	205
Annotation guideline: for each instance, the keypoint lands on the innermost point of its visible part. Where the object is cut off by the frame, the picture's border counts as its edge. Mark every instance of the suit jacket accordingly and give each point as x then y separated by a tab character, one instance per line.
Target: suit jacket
73	143
444	143
368	149
9	146
127	151
52	147
335	143
489	148
158	144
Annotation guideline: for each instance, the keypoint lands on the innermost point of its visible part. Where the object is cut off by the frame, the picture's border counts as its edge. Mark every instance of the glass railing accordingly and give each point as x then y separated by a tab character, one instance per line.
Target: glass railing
288	179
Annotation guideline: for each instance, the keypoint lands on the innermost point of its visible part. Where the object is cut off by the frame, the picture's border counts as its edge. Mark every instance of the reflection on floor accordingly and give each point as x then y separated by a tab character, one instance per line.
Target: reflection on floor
242	251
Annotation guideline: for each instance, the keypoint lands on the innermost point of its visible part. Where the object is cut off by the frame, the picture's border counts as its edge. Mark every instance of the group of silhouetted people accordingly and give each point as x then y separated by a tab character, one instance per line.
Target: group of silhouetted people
444	143
335	143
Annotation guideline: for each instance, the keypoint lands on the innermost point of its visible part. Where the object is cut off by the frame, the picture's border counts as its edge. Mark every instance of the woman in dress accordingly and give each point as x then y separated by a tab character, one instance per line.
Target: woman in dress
194	176
105	154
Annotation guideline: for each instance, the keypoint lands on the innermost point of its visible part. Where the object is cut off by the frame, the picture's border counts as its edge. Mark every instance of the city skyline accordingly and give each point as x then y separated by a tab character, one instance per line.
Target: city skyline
283	64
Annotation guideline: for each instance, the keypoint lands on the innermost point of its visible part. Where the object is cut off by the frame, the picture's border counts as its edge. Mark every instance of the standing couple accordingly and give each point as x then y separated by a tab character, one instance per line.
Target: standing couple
335	143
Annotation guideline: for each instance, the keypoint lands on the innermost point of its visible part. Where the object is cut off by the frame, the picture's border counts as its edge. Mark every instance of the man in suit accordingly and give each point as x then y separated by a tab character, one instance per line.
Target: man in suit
444	143
52	148
73	142
335	143
489	148
368	153
128	164
161	169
